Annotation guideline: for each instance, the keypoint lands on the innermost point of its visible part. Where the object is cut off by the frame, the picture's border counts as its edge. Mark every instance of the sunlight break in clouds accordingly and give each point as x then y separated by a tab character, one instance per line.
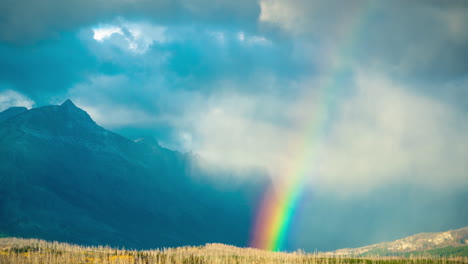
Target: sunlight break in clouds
137	37
104	32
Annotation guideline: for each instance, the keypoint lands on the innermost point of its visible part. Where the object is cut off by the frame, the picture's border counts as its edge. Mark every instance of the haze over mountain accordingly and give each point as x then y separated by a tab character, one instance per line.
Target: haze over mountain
63	177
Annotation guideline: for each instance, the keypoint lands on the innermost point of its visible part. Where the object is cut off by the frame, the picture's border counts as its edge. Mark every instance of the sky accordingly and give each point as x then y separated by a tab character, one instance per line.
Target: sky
377	89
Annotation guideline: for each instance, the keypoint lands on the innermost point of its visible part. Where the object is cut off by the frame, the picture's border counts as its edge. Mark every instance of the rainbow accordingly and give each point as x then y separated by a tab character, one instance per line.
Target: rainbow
279	204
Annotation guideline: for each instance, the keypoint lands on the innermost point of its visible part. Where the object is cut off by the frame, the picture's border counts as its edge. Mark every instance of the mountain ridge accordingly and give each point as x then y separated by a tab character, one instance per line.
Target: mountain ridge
11	112
415	243
63	177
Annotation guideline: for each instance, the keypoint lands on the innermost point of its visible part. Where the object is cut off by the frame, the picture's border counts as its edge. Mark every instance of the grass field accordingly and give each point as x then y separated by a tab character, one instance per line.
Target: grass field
461	251
32	251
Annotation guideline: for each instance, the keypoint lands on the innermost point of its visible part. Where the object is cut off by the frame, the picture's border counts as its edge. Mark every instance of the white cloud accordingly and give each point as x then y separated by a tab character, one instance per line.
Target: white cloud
387	134
330	18
103	32
285	14
238	131
218	35
9	98
241	36
455	22
137	37
116	116
252	39
259	40
383	134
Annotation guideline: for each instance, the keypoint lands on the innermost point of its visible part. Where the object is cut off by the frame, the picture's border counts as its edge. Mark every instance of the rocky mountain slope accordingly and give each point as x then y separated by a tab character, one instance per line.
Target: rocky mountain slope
418	242
63	177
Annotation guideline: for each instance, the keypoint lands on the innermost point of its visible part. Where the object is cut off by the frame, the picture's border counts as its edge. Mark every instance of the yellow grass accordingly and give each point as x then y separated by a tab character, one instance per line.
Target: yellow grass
33	251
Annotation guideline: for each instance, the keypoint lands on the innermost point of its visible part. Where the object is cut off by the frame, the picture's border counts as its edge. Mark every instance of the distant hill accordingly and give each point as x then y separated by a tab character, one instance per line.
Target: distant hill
65	178
449	243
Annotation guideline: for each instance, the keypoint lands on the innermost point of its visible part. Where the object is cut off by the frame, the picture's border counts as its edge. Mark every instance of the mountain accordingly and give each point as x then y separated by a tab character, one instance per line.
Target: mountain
65	178
424	242
12	111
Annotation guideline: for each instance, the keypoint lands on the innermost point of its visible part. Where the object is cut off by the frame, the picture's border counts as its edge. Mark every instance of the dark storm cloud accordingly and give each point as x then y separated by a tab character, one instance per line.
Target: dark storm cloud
26	21
44	70
188	59
418	39
412	39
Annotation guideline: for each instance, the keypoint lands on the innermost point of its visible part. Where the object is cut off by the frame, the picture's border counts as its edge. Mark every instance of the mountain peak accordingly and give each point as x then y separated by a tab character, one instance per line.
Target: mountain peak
74	112
73	115
53	120
68	103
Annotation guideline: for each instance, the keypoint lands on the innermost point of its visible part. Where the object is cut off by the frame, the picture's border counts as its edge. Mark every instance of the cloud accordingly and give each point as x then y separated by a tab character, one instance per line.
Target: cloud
237	130
199	89
410	39
45	70
387	134
104	32
179	61
118	116
9	98
27	21
133	37
238	92
301	17
383	133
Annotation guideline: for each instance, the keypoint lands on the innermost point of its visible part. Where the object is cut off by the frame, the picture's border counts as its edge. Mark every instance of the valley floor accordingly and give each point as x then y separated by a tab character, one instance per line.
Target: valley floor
32	251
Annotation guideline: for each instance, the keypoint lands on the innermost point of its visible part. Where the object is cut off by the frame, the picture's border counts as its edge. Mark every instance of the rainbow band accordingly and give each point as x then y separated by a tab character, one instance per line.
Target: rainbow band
280	203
